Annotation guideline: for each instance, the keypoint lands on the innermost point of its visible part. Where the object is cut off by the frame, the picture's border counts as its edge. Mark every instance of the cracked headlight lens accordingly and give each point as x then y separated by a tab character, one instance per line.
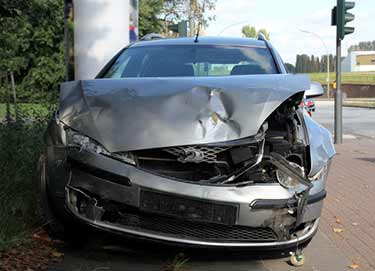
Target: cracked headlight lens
75	139
288	181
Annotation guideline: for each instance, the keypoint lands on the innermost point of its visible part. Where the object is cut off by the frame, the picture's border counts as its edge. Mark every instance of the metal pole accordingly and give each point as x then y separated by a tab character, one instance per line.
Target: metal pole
328	77
338	98
327	52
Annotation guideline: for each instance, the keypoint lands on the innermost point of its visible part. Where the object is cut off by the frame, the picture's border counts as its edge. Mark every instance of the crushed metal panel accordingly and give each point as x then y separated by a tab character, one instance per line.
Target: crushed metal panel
141	113
321	144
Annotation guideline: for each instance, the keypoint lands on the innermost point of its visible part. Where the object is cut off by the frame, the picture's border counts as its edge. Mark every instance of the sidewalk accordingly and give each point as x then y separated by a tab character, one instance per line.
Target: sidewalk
350	204
321	255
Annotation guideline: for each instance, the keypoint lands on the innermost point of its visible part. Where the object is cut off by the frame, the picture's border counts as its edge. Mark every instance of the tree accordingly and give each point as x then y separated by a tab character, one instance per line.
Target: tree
32	45
323	63
290	68
156	15
265	33
363	46
149	21
311	64
317	65
249	31
332	63
32	39
298	64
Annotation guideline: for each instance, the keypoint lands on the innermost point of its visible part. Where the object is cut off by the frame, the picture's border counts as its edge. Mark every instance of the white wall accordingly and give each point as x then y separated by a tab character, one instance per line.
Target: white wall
346	64
101	29
364	68
349	64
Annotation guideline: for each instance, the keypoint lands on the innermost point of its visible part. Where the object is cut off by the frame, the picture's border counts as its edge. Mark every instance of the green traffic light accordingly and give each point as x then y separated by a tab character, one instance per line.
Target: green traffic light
343	17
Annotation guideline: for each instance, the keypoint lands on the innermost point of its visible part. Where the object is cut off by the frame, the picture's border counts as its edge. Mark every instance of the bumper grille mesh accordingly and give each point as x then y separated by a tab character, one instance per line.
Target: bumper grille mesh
196	153
195	231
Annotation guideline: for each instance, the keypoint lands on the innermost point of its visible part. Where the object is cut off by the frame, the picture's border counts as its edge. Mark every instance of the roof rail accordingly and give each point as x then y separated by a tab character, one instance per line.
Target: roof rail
152	36
261	37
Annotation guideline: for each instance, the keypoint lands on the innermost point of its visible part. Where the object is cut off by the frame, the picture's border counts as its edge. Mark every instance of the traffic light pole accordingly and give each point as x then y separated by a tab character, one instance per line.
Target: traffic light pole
340	17
338	97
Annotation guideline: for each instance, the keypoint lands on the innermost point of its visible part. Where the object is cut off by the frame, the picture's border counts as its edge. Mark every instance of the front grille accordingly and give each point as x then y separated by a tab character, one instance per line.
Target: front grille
200	163
195	231
196	153
187	208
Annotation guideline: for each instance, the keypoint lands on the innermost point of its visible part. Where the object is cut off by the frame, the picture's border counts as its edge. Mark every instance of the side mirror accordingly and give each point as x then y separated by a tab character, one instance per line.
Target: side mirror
315	90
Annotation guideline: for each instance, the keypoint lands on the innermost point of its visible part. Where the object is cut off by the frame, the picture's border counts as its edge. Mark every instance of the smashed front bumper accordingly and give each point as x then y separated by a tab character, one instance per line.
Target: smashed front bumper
114	196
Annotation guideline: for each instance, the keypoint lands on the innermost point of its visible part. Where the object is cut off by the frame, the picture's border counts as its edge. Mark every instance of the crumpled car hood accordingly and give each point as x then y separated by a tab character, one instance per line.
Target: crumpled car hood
141	113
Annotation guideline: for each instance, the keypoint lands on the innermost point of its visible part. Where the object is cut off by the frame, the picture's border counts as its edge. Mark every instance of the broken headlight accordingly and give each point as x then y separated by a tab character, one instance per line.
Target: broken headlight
75	139
288	181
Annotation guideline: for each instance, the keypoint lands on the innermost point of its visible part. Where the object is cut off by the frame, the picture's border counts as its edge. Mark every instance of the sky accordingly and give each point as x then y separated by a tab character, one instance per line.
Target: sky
285	19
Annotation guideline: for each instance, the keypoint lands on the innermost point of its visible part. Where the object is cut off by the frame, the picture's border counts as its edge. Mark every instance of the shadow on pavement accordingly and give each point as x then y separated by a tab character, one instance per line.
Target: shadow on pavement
104	252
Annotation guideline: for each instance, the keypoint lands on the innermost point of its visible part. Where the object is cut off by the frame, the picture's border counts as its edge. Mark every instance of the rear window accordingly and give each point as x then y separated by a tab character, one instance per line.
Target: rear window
191	60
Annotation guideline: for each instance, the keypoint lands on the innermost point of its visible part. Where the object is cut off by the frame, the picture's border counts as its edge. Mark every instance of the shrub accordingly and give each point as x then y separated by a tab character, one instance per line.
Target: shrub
21	143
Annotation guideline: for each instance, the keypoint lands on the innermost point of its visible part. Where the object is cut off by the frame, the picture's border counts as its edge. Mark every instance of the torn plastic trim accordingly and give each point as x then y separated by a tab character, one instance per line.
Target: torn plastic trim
301	194
99	173
259	157
95	221
260	137
285	203
94	213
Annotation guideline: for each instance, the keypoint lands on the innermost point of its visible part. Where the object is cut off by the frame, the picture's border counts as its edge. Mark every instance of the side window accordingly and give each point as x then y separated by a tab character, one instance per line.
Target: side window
117	68
280	61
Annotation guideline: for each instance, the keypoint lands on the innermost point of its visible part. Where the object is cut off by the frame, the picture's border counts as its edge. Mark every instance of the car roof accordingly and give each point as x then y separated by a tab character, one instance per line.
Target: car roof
203	40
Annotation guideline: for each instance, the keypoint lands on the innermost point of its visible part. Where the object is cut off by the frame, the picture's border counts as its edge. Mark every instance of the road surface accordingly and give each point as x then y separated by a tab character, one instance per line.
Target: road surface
357	122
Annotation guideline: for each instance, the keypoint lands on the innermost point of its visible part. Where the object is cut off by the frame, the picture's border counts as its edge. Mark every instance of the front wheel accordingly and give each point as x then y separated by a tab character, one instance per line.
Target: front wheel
57	221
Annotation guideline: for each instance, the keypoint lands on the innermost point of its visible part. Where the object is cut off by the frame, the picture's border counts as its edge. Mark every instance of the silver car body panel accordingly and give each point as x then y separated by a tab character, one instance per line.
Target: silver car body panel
142	113
307	233
321	144
241	196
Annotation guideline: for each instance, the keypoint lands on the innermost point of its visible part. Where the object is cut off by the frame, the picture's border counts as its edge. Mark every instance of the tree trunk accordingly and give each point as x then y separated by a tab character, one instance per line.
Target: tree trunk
7	99
14	94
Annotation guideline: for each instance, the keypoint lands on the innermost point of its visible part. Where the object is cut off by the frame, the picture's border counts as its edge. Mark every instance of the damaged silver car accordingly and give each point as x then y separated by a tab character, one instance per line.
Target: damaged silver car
196	142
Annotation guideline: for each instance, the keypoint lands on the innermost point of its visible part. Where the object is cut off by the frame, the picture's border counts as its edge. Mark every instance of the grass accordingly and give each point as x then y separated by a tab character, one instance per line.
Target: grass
347	77
21	143
367	103
179	263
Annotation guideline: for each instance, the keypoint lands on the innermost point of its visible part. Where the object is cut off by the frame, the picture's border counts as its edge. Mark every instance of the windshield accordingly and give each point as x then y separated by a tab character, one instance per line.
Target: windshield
191	60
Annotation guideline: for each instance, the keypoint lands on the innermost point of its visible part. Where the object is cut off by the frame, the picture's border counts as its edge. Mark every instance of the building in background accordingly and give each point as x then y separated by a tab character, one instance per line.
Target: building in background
359	61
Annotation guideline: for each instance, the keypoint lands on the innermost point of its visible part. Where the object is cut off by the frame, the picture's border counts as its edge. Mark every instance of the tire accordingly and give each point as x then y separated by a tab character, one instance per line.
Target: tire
58	223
